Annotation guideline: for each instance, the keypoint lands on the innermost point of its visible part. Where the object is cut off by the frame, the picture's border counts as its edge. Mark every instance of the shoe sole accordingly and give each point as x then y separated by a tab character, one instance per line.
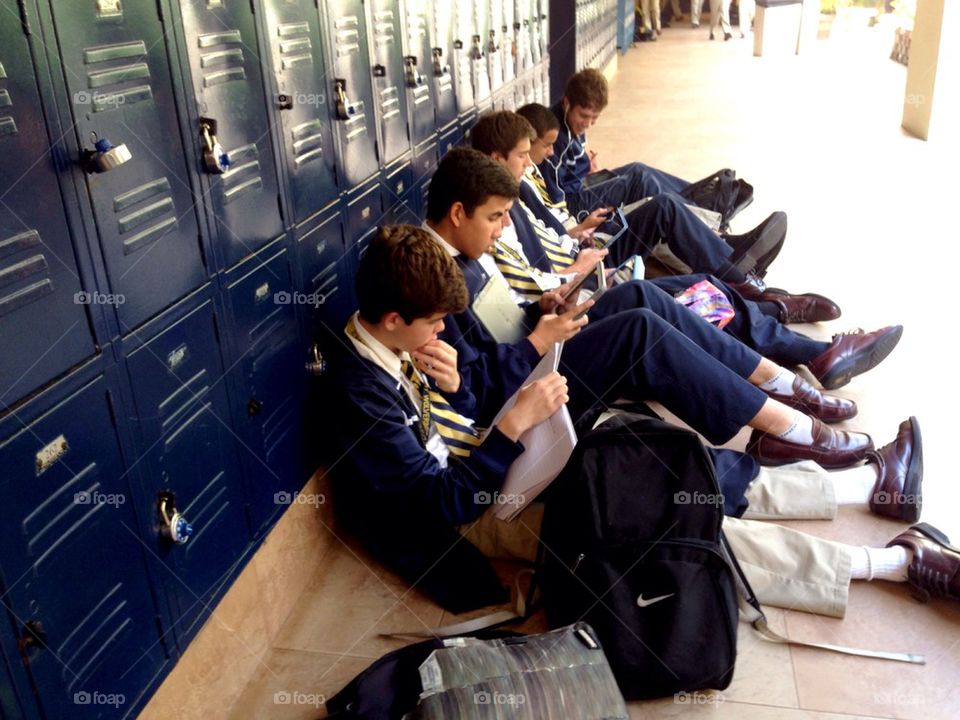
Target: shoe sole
764	263
772	235
936	535
843	373
914	479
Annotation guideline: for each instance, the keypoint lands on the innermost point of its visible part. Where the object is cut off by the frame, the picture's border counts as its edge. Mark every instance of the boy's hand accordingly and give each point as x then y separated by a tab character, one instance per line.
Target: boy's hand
535	403
553	328
587	260
552	301
594	165
597	217
438	360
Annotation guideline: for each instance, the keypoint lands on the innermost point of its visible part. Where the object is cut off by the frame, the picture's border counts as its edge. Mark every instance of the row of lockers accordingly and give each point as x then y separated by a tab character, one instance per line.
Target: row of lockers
157	315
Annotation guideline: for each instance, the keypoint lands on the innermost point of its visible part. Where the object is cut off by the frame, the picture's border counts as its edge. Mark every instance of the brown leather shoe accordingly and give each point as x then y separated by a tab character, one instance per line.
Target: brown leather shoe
897	492
830	449
935	568
852	354
807	399
808	307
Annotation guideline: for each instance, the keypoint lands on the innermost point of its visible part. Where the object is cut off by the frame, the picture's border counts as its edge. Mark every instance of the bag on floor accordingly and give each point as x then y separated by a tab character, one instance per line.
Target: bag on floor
722	193
631	545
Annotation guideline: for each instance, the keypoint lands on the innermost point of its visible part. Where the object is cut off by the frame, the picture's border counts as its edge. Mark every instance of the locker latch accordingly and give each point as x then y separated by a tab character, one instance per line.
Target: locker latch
476	52
439	69
412	76
34	638
379	70
215	158
492	46
345	108
105	157
175	526
284	101
315	364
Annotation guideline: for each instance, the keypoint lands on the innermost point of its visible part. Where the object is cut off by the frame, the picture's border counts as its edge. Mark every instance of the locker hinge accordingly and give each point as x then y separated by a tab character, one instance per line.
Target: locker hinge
112	409
280	209
24	18
160	10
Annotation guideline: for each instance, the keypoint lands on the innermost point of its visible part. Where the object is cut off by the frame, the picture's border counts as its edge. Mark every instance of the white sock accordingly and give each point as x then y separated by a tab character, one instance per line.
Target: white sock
801	432
880	563
781	383
854	486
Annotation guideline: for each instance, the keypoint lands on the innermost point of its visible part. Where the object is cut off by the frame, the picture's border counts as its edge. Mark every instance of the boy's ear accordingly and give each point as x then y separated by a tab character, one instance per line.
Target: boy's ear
391	320
457	214
565	104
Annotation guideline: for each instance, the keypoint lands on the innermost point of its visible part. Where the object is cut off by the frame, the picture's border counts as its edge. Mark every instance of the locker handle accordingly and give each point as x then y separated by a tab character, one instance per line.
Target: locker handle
412	76
34	638
175	526
476	51
254	407
379	71
439	69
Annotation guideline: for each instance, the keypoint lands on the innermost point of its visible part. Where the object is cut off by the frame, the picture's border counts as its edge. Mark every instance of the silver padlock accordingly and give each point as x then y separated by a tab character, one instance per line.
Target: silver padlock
345	108
106	156
315	364
215	158
175	526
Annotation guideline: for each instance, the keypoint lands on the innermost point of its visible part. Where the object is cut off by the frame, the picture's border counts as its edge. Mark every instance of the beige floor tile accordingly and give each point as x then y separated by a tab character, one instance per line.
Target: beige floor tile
296	685
717	707
349	605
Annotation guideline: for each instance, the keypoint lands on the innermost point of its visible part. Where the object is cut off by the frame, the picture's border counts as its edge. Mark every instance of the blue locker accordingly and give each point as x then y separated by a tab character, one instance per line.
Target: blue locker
292	30
268	380
225	73
364	208
508	39
417	71
400	200
351	90
73	561
44	327
490	12
425	162
451	137
466	50
476	15
119	81
10	705
538	29
524	31
325	272
440	24
189	450
387	67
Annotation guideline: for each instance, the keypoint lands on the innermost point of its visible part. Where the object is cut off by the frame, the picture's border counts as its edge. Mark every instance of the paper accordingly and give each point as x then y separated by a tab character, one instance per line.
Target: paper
500	315
547	447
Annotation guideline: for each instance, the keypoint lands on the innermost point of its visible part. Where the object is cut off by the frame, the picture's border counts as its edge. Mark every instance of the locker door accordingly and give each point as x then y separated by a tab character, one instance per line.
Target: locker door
523	30
224	65
74	563
440	24
43	330
296	55
269	381
387	68
399	199
364	214
325	273
188	448
119	81
536	39
508	41
492	16
351	90
466	45
479	49
418	69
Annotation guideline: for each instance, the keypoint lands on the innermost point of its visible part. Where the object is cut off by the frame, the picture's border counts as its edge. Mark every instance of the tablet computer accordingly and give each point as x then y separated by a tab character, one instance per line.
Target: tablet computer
598	178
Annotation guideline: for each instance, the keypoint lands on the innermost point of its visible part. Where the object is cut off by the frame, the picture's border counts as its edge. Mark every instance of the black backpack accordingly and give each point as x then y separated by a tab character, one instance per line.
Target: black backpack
631	545
722	193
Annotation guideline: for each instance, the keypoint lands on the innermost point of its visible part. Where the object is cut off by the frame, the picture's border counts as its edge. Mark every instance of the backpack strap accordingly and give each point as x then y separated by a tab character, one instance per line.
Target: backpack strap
753	613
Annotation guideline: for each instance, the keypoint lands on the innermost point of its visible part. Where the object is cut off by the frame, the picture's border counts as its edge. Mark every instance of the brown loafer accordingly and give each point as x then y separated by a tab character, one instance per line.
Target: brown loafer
900	464
805	308
851	354
830	448
935	568
807	399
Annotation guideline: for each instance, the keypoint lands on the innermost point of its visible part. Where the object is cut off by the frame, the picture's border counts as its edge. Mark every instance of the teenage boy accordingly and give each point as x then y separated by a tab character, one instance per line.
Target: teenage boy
506	137
566	173
704	376
411	471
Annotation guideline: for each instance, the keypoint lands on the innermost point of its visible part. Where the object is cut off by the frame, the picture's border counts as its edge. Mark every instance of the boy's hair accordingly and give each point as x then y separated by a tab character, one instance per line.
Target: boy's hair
406	271
540	117
501	132
469	177
587	88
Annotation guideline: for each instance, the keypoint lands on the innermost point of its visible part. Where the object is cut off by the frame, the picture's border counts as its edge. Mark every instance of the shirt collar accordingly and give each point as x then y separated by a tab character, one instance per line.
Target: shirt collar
453	252
369	347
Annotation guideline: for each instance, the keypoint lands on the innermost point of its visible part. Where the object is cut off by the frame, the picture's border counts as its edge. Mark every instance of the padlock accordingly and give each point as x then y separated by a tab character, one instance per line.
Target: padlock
492	46
345	108
410	72
476	52
175	526
105	157
439	69
315	364
215	158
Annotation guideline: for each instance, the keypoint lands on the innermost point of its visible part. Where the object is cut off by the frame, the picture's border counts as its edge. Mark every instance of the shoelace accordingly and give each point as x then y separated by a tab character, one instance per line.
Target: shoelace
855	331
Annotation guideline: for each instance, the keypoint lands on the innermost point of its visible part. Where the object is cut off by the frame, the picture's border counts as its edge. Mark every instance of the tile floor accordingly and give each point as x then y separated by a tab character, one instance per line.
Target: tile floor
819	137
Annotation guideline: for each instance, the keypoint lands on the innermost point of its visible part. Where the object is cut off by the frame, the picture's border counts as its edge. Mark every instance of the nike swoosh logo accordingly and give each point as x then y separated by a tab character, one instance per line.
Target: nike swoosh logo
646	603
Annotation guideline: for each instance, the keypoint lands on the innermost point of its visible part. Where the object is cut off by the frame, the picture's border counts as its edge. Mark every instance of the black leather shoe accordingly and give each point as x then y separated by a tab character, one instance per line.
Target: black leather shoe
754	251
851	354
934	570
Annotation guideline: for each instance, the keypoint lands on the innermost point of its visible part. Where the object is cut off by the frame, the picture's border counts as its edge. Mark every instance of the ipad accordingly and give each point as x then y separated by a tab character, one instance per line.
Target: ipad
598	178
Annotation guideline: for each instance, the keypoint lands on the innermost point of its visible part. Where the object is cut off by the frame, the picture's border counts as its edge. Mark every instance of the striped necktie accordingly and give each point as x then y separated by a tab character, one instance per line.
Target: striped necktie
541	185
518	273
559	259
457	432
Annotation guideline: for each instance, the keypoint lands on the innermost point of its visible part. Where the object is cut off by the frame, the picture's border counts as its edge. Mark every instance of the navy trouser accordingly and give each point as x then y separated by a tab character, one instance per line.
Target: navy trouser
765	334
694	370
634	181
666	218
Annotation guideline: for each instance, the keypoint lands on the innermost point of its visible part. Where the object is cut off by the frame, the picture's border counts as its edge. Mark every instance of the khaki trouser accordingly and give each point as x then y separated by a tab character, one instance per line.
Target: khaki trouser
785	567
